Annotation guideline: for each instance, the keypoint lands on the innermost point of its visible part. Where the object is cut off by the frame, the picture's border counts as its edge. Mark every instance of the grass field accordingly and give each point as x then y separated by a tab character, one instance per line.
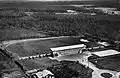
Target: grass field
37	63
41	46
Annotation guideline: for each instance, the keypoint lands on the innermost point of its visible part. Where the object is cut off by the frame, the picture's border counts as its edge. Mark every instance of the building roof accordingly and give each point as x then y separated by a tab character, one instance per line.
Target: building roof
44	73
104	43
106	53
84	40
67	47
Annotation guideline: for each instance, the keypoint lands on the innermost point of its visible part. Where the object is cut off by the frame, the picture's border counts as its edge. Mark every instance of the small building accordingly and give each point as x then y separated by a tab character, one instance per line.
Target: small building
71	11
84	40
104	43
44	74
106	53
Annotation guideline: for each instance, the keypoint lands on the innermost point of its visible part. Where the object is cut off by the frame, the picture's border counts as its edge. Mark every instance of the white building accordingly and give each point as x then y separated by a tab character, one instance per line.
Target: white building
67	50
84	40
104	43
106	53
71	11
106	8
44	74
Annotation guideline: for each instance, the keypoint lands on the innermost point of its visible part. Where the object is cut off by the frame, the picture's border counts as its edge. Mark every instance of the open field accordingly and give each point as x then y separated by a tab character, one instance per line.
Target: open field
41	46
37	63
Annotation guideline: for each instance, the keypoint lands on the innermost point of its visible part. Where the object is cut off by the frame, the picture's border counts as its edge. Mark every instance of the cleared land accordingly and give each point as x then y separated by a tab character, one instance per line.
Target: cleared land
41	46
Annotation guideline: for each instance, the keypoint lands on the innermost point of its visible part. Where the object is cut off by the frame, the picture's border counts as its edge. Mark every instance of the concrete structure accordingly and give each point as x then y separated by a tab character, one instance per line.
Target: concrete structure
71	11
106	53
106	8
84	40
44	74
67	50
68	47
104	43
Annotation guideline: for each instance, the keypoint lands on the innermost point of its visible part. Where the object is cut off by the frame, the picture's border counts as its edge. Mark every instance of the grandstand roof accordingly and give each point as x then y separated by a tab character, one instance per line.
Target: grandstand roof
67	47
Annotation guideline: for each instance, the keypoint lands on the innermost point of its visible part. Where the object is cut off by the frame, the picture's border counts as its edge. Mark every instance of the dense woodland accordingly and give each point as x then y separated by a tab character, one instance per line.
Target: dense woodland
18	23
69	69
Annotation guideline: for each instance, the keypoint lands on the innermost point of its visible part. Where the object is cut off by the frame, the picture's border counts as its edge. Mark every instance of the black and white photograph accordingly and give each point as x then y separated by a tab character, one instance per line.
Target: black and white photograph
59	38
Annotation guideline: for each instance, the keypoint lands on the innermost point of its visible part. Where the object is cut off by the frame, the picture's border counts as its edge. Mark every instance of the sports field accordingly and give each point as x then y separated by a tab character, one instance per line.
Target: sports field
41	46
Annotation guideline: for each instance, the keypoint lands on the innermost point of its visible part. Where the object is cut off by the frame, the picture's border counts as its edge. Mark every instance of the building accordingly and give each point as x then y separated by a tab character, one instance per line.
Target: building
71	11
67	50
104	43
106	53
44	74
84	40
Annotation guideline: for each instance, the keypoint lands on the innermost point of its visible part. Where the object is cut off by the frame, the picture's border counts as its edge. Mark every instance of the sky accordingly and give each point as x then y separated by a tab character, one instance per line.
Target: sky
56	0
